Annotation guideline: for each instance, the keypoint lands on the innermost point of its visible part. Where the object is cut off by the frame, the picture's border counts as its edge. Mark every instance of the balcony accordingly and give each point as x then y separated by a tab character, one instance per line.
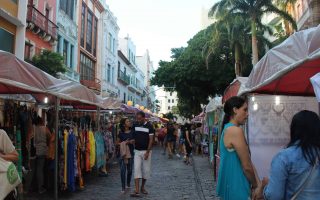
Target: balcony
39	24
135	88
122	77
70	74
92	84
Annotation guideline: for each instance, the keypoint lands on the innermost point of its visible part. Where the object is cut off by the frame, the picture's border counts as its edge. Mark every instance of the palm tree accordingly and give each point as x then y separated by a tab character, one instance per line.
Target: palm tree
253	10
288	6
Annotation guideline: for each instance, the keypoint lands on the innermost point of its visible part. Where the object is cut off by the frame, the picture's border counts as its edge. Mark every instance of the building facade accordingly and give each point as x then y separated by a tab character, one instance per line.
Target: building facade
13	26
109	53
136	86
89	57
146	65
167	100
42	29
306	13
67	44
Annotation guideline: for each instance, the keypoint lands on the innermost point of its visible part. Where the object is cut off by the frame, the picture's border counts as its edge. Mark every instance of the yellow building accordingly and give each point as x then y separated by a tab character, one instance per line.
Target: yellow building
12	26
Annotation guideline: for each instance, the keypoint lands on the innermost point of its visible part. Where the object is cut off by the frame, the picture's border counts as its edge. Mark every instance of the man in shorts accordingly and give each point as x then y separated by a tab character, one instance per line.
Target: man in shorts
143	134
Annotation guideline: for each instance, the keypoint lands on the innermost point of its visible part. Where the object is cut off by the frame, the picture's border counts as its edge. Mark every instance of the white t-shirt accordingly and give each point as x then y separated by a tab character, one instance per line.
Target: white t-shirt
6	145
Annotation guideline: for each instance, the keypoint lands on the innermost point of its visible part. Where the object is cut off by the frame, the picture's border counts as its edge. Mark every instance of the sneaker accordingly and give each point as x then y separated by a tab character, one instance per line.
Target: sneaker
178	155
123	191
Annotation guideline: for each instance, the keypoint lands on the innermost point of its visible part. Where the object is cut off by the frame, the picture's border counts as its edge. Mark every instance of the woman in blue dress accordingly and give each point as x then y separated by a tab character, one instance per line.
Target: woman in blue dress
237	176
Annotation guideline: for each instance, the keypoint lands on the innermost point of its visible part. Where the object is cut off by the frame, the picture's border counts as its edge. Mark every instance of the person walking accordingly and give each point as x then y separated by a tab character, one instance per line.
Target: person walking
295	171
143	134
41	138
125	141
186	131
236	172
171	138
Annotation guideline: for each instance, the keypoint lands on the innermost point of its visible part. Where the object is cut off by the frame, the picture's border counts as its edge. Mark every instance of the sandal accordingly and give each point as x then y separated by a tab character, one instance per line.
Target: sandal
144	191
135	194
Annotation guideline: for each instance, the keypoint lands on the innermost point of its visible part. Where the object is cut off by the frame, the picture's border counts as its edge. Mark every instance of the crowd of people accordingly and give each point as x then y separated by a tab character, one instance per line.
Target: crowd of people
294	170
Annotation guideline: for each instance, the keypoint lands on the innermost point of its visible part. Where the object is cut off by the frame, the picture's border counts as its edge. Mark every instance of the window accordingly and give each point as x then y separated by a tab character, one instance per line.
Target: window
95	36
112	75
110	41
27	51
58	43
89	31
168	107
114	46
172	100
7	41
65	52
87	68
124	97
170	94
109	73
71	56
67	6
83	16
168	100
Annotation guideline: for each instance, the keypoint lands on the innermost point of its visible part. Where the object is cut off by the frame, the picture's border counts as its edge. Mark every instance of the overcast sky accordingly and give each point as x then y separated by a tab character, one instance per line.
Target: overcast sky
159	25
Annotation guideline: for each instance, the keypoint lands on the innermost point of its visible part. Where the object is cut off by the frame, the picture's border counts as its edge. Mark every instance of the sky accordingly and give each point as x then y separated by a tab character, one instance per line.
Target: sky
158	25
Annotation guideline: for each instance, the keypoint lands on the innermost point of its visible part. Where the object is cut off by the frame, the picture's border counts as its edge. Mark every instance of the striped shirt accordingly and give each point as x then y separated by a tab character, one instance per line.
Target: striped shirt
141	133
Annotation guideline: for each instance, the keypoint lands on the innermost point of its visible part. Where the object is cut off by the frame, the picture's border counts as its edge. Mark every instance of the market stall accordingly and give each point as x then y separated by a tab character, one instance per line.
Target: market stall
19	77
278	87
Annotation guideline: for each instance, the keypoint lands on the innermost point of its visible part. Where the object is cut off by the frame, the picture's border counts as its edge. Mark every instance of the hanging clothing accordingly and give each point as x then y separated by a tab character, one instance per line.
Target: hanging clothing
65	153
100	159
51	149
87	152
71	167
92	143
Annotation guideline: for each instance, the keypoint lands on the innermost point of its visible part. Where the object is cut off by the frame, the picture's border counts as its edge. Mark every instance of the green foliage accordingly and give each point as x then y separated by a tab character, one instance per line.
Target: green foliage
50	62
175	110
189	74
170	116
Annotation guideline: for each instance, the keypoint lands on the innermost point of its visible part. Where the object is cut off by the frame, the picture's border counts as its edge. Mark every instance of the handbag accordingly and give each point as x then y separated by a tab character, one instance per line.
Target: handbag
304	184
9	177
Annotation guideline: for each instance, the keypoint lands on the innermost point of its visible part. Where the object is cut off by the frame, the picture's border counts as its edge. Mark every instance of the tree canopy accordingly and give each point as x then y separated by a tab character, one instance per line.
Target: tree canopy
188	72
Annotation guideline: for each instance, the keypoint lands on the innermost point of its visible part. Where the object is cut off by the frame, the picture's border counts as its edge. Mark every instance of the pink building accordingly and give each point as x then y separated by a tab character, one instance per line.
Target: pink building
41	28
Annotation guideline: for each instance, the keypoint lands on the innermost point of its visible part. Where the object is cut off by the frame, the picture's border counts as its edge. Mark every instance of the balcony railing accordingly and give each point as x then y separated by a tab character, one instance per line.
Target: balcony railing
41	21
92	84
124	78
70	74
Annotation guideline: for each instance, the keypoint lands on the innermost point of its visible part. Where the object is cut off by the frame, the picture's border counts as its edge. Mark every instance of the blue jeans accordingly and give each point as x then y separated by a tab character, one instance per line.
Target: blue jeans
126	169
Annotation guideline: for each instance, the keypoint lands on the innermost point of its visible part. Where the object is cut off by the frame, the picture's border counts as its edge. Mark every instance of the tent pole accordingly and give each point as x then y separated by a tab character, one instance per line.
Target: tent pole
57	104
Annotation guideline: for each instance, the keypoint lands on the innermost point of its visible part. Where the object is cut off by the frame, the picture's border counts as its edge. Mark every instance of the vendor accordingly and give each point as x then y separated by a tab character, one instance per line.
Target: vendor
7	150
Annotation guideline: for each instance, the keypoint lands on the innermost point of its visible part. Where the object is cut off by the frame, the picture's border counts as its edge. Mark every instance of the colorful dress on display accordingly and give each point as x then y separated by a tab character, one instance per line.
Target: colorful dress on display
92	143
71	172
100	151
65	153
232	183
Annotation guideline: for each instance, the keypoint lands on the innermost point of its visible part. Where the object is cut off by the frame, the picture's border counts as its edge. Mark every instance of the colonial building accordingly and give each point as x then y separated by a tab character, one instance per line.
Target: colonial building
109	53
67	45
41	30
146	65
306	13
89	59
12	26
167	101
135	89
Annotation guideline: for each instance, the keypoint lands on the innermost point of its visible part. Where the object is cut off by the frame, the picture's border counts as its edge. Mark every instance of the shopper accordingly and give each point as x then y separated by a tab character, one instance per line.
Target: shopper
186	131
125	140
295	171
143	136
41	138
170	139
236	172
198	139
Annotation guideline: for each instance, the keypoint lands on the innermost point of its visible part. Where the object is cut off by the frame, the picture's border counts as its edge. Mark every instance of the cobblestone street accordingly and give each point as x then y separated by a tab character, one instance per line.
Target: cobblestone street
171	180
